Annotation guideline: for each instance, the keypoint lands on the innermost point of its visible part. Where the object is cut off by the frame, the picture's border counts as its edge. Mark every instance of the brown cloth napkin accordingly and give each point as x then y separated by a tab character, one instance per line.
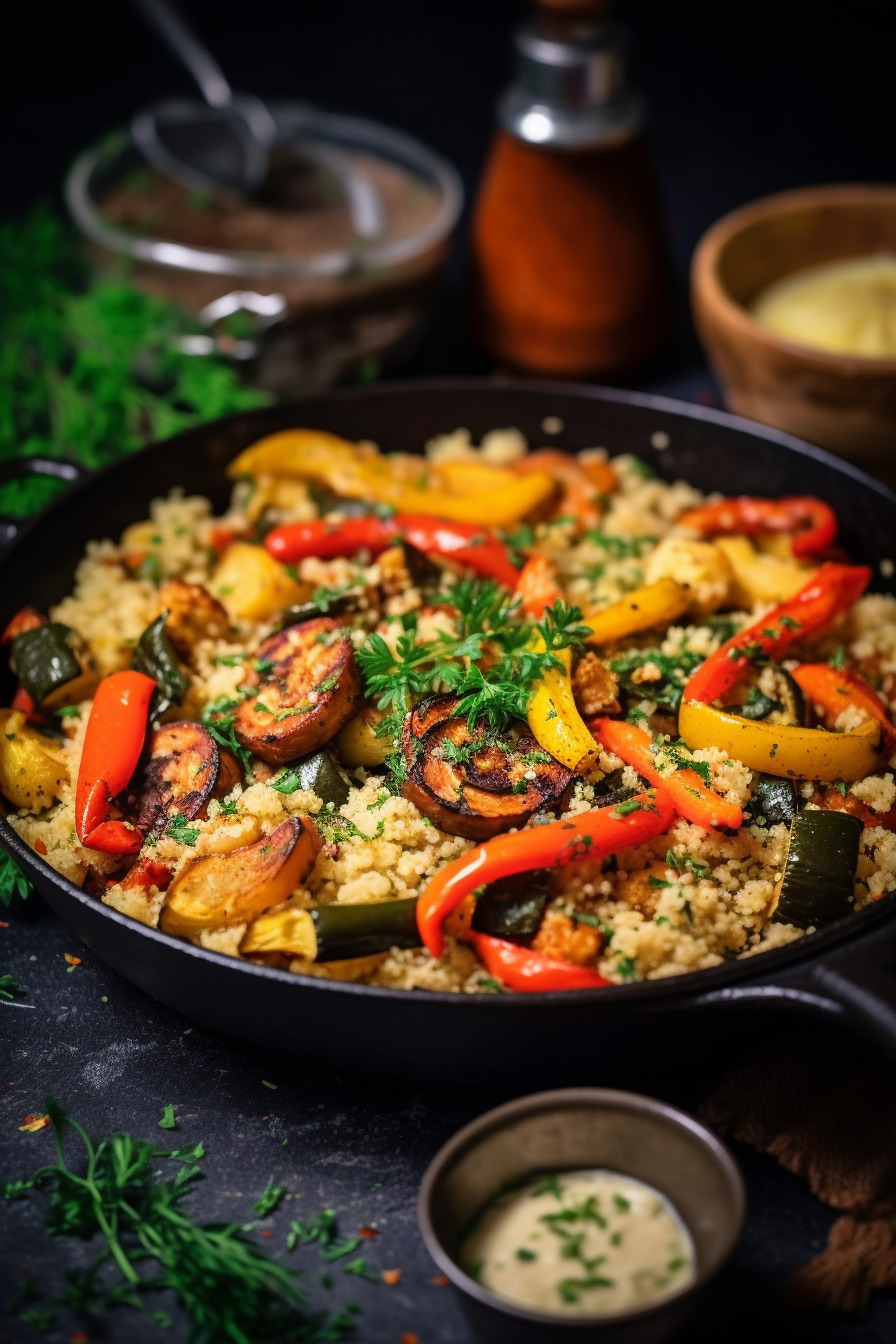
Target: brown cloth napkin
826	1109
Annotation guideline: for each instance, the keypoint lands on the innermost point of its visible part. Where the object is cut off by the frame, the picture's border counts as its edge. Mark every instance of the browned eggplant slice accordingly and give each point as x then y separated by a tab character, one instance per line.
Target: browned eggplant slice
178	776
472	783
307	689
216	890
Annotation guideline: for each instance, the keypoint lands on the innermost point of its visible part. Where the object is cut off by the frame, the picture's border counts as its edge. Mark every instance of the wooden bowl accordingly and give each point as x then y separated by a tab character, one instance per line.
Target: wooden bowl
842	402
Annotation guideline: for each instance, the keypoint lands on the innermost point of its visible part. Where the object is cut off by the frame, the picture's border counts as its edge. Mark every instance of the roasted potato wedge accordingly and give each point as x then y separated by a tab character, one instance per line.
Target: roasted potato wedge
178	775
311	687
218	890
32	768
252	585
193	614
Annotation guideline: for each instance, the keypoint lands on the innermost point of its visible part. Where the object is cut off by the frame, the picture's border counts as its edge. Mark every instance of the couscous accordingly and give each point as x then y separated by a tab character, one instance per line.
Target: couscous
492	719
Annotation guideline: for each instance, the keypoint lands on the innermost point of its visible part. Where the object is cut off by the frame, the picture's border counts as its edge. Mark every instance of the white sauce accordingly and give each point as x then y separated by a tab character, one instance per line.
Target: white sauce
581	1243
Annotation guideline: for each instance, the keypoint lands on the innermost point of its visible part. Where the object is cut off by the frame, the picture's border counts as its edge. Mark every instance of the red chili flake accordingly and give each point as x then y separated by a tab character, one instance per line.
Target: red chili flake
266	1233
40	846
33	1122
77	1337
408	1338
368	1233
440	1281
391	1276
72	961
3	924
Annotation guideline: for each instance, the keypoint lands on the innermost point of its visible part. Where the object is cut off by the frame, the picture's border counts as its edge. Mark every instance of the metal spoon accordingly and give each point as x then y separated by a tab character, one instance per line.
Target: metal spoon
227	141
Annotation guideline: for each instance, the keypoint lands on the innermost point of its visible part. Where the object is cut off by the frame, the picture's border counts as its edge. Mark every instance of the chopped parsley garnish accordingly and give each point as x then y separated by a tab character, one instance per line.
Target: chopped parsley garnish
626	968
178	830
683	862
8	987
837	659
269	1199
13	881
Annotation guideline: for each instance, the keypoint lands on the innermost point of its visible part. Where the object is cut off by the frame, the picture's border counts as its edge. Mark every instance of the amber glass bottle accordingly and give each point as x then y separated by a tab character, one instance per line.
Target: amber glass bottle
569	269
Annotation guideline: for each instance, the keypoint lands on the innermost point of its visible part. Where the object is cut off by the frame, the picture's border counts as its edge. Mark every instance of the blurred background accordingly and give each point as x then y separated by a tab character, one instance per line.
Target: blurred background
743	100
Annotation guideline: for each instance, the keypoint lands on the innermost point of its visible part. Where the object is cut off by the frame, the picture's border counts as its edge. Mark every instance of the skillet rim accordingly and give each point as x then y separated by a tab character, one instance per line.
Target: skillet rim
806	950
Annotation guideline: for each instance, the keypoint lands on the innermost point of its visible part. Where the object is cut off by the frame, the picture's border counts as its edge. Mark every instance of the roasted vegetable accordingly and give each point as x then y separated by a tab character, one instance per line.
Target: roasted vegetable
251	585
217	890
335	932
472	783
32	768
757	577
309	689
318	772
774	799
656	604
810	523
829	593
776	749
831	690
154	656
177	777
28	618
193	615
513	907
529	972
554	719
359	743
43	660
112	746
820	871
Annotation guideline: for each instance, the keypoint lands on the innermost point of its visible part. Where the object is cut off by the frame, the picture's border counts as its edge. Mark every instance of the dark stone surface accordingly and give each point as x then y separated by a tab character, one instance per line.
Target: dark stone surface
745	100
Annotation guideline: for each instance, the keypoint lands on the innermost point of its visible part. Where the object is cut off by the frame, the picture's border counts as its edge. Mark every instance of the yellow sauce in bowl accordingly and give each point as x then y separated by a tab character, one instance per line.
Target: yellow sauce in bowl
584	1243
847	307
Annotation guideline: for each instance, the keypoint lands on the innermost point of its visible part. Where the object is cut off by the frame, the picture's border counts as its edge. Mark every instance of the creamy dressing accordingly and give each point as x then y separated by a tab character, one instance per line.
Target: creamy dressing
848	307
581	1243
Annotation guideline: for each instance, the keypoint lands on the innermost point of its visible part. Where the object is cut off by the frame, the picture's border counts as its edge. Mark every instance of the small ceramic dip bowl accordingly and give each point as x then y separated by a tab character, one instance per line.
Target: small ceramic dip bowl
573	1130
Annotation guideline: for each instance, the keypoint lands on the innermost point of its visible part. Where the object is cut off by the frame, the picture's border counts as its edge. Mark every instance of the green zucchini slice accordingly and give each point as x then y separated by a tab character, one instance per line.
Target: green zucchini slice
154	655
774	799
43	660
318	772
335	932
513	907
817	886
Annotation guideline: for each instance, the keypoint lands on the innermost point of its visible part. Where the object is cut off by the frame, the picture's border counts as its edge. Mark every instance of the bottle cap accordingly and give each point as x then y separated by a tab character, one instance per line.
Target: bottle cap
571	87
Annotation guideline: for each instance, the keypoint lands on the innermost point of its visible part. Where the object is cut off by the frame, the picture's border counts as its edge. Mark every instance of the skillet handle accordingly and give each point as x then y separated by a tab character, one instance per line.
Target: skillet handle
855	987
59	468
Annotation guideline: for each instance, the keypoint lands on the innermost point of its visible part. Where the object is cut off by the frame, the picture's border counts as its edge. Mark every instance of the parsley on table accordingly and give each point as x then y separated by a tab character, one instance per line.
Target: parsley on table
126	1197
167	1121
8	987
269	1199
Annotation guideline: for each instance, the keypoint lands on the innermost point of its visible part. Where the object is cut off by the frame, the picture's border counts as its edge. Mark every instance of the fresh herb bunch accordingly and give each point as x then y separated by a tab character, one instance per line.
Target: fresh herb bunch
488	621
228	1288
89	366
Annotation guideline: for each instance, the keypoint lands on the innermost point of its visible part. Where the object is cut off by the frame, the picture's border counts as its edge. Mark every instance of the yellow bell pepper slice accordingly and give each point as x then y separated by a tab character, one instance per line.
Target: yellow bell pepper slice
759	577
655	604
556	723
461	492
777	749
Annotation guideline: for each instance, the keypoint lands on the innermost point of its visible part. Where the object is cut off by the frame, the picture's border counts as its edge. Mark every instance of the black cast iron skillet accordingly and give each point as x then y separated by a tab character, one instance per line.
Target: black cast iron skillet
843	973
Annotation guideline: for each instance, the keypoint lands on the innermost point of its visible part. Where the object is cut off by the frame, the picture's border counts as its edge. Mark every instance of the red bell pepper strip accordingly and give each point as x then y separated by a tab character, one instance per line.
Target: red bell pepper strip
831	590
112	746
590	835
811	523
476	547
531	972
835	689
692	798
537	586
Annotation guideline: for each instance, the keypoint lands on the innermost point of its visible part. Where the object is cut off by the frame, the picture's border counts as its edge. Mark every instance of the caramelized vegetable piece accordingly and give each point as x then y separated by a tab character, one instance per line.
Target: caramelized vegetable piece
193	615
229	774
359	743
473	783
32	771
218	890
178	776
146	874
309	688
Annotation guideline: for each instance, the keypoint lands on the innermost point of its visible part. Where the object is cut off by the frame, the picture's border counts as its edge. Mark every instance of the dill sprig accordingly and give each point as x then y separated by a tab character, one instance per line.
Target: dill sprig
228	1288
